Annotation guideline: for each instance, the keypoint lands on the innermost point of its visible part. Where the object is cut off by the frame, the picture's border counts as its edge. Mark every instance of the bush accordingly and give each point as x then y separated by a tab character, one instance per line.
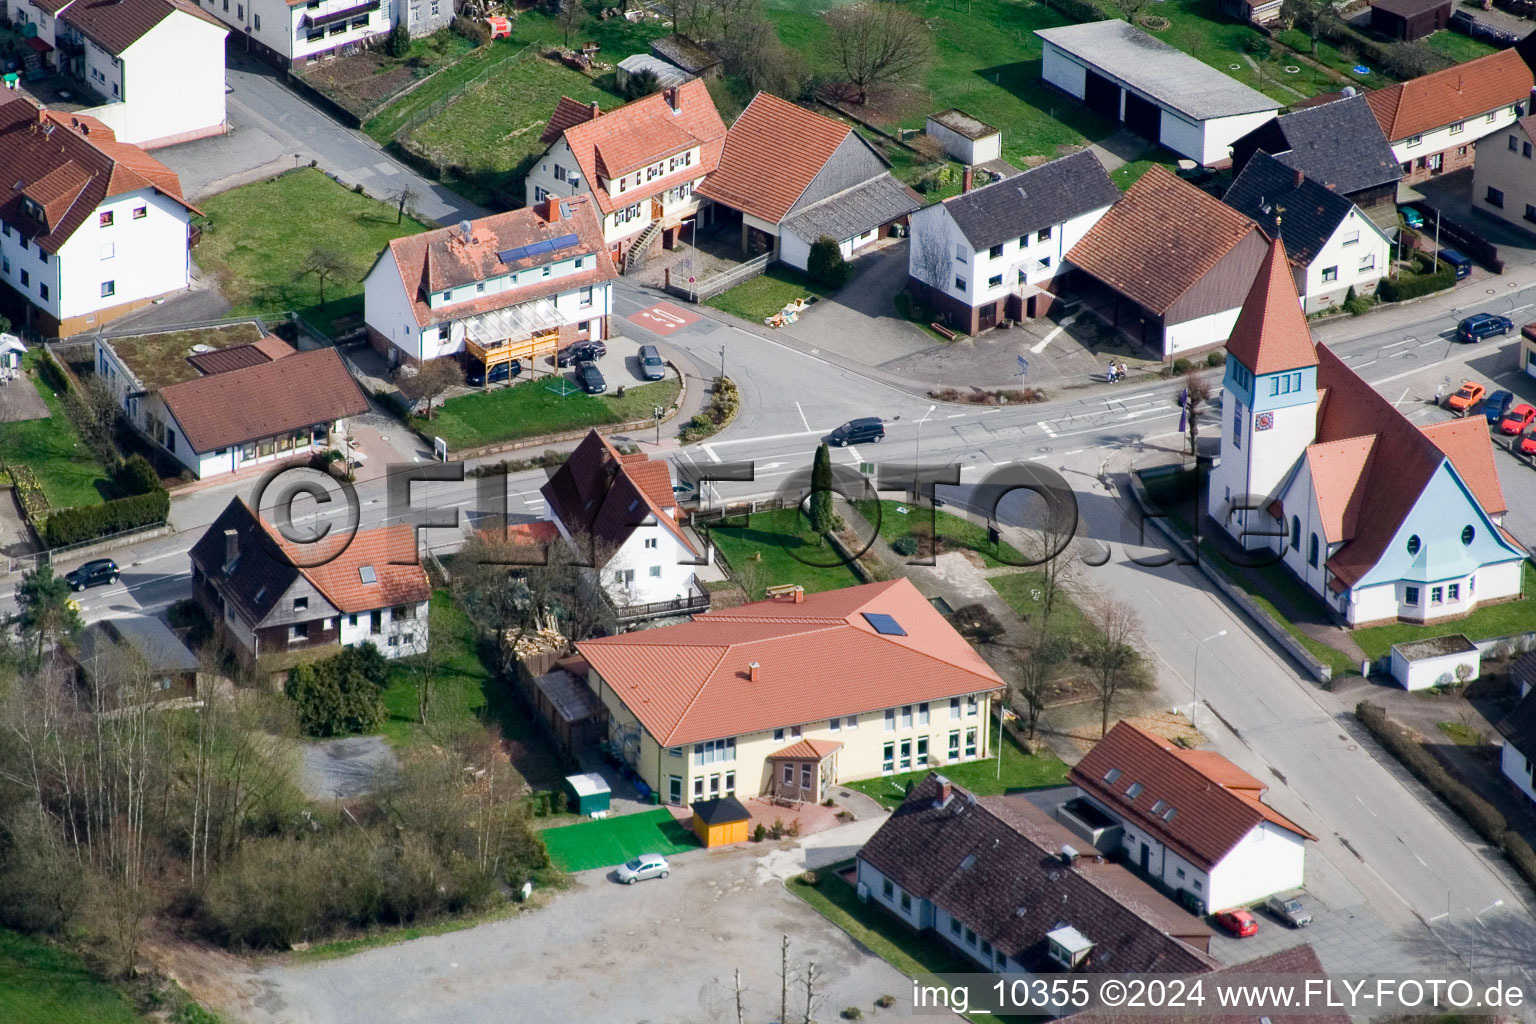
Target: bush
826	265
886	1002
759	833
808	878
1413	286
1520	855
341	694
1216	357
393	404
851	1013
476	31
136	475
1076	10
905	546
90	522
1484	818
399	43
1181	365
558	803
34	503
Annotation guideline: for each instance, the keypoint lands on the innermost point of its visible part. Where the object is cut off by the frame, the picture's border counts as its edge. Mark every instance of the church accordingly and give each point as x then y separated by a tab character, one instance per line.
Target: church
1383	520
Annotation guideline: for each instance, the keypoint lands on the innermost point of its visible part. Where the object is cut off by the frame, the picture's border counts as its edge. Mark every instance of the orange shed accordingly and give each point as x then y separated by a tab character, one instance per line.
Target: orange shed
720	822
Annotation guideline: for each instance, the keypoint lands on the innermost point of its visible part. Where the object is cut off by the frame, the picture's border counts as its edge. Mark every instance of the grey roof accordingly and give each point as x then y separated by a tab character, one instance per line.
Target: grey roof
854	211
684	52
667	74
1339	144
957	120
150	638
1172	77
1519	729
1308	213
1052	193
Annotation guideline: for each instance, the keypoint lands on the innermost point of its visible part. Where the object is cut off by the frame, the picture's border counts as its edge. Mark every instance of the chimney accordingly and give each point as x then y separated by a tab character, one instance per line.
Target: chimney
946	790
965	182
596	111
671	94
231	546
552	209
753	670
1300	177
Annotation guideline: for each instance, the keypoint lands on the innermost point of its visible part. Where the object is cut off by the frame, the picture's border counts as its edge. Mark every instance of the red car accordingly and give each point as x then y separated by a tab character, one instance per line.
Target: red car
1525	444
1239	922
1517	419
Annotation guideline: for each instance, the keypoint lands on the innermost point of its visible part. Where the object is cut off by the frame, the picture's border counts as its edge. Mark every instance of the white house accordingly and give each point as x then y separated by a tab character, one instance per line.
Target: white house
1518	758
967	139
640	163
90	228
993	253
1158	92
158	65
1333	247
619	514
1190	819
293	33
515	285
1381	519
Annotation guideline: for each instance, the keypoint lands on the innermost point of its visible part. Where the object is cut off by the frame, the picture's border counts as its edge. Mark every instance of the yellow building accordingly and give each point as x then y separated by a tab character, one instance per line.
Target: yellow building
790	696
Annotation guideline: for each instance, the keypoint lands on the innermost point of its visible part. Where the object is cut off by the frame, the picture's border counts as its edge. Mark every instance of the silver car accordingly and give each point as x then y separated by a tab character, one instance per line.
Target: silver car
1290	910
647	865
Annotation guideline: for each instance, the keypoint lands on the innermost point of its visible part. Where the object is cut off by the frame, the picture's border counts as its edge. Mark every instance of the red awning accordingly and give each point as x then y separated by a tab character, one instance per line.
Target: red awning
40	46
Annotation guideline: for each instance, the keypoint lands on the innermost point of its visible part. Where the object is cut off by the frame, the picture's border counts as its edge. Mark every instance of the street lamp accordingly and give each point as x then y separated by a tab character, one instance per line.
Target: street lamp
1194	693
917	463
657	412
722	362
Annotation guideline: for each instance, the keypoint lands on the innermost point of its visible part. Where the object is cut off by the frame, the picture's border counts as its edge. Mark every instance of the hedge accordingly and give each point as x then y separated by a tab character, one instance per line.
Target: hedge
1484	818
135	475
1520	855
1413	286
88	522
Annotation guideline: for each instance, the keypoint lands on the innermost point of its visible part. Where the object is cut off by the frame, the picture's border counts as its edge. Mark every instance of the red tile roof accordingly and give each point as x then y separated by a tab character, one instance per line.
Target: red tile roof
692	682
1271	331
568	114
1336	468
433	261
772	153
1465	442
68	164
341	580
807	750
1215	803
118	24
1159	240
289	394
601	496
1455	94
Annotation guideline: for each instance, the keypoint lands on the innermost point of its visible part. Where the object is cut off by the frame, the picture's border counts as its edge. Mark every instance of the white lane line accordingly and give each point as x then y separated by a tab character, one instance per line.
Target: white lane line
709	450
853	454
1399	344
1047	428
803	420
1356	366
1402	397
954	415
1039	346
1528	305
752	440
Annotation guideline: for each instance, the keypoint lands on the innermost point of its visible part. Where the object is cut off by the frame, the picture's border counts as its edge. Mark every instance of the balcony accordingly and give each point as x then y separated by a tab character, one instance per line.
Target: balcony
522	332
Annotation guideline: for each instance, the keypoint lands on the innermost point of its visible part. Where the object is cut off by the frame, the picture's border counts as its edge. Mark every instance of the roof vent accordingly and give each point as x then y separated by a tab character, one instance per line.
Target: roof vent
366	574
1348	90
1023	194
200	348
1068	853
754	669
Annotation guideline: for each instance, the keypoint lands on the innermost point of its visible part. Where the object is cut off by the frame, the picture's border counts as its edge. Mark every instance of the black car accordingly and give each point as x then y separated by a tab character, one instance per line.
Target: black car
866	428
100	572
651	366
500	372
590	378
582	351
1483	325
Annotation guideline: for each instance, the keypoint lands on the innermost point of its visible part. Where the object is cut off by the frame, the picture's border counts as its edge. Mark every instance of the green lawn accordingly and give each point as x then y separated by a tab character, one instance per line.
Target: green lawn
40	984
536	407
66	468
775	536
1329	54
1484	624
612	841
255	237
766	294
464	680
1019	771
1458	47
901	519
383	126
1020	590
1461	734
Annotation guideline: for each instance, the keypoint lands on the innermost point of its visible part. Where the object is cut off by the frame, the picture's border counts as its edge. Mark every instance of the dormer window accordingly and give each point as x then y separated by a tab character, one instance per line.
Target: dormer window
1068	946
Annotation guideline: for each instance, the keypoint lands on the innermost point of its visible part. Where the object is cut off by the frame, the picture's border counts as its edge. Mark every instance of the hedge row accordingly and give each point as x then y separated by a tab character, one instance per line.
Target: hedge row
89	522
1413	286
1480	814
1520	855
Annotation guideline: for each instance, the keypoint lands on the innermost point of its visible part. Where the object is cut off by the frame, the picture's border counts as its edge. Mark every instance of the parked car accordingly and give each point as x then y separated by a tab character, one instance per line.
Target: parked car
1483	325
1458	260
590	378
500	372
1465	398
1517	419
1496	405
647	865
1289	910
1525	444
865	428
1411	217
96	573
1239	922
651	366
580	352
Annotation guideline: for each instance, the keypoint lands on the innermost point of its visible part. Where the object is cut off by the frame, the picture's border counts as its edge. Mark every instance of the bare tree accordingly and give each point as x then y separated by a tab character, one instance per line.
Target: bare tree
754	51
435	377
324	264
1112	650
1195	396
93	406
874	43
406	196
570	16
810	979
933	253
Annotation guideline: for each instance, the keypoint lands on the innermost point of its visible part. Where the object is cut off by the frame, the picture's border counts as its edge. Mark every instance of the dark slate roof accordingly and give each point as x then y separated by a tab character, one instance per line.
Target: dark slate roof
871	204
1519	729
145	635
258	576
1311	213
724	811
995	864
1049	194
1339	144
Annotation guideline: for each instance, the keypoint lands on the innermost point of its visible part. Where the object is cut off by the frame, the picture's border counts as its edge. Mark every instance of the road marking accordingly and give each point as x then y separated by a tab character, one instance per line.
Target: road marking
709	450
752	440
1039	346
954	415
1047	428
1396	344
1528	305
853	454
1401	397
803	420
1357	366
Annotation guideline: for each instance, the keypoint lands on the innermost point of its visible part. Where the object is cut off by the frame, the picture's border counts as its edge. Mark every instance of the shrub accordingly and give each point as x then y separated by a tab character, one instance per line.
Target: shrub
1520	855
136	475
851	1013
826	265
885	1002
1415	285
34	503
1076	10
1484	818
476	31
340	695
776	830
808	878
792	830
89	522
393	404
399	43
559	803
1216	357
905	546
759	833
1181	365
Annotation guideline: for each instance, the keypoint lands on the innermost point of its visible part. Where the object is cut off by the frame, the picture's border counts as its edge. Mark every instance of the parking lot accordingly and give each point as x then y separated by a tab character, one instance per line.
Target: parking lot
619	366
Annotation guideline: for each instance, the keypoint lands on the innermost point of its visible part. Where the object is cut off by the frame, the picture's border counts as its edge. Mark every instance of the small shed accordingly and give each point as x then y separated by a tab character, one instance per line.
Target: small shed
569	708
688	55
668	75
1435	662
968	139
720	822
589	793
11	351
1409	19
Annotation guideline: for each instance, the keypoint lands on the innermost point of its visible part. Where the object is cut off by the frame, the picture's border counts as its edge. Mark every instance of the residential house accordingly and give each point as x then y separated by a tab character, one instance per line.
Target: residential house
1504	181
220	410
794	177
1408	20
621	519
1160	93
687	55
1337	144
1333	247
1256	12
1171	260
1434	121
295	33
739	700
967	139
90	228
998	880
1189	819
1382	519
515	285
1517	759
157	66
641	163
994	253
278	603
133	659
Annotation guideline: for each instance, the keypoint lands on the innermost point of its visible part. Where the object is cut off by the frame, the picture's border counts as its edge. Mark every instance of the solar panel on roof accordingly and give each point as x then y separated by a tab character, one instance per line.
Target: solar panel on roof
540	248
565	241
366	573
512	255
884	624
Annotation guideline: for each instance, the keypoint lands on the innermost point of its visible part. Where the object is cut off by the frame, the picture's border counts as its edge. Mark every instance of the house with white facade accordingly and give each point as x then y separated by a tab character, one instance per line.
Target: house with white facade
157	65
1504	180
295	33
640	163
1380	518
994	253
1189	819
1517	760
967	139
1016	893
279	603
1159	92
90	228
511	286
1333	247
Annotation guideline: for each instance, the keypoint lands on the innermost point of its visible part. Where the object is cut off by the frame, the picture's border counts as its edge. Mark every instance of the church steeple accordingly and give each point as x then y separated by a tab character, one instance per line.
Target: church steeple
1271	332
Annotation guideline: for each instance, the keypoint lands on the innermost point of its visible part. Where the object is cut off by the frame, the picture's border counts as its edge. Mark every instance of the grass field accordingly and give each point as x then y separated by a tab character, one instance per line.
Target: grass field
66	468
1484	624
1020	590
533	408
383	126
1019	771
900	519
774	536
612	841
464	681
766	294
43	985
1458	47
255	237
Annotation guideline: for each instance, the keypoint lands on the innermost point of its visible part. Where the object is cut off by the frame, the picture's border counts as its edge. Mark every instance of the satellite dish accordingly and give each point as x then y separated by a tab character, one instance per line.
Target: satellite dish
466	230
1349	90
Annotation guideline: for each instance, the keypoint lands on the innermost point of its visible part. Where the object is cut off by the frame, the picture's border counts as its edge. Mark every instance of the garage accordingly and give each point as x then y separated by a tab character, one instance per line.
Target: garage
1102	96
1143	117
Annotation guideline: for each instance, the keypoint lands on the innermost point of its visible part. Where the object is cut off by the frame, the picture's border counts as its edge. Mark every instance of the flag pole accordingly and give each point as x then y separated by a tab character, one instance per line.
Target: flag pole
1000	712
